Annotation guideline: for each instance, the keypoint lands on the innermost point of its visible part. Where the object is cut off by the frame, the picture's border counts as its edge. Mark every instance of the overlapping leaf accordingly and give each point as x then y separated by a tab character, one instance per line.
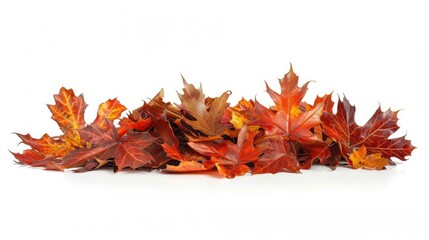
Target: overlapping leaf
360	159
229	158
68	112
288	119
205	113
105	144
374	134
277	157
110	110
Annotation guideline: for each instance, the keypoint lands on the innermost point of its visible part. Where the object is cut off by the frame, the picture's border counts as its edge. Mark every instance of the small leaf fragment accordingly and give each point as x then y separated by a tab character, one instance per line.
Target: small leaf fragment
360	159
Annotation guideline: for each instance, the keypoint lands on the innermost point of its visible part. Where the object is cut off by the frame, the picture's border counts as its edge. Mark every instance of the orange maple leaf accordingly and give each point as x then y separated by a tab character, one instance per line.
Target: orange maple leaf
360	159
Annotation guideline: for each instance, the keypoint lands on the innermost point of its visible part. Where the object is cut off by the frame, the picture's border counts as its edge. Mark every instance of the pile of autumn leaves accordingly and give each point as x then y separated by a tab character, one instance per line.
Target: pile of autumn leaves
203	133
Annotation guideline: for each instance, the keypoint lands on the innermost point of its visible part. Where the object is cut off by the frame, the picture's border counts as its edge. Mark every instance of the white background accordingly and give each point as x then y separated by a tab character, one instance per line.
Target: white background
373	51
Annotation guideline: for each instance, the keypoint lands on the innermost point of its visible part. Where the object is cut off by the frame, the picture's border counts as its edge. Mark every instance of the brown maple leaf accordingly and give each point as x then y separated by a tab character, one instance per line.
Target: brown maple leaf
205	113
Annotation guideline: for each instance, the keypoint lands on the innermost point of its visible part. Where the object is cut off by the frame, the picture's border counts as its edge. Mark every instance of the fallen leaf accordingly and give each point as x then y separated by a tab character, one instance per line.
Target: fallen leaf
68	110
276	157
230	158
206	117
374	135
109	110
128	151
360	159
186	166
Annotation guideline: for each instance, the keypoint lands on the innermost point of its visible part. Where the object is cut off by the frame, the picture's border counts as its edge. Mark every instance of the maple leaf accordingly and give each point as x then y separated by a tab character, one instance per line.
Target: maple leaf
276	157
374	134
318	150
342	125
280	123
288	119
321	148
229	158
291	95
128	151
47	146
206	114
326	99
68	110
109	110
238	116
360	159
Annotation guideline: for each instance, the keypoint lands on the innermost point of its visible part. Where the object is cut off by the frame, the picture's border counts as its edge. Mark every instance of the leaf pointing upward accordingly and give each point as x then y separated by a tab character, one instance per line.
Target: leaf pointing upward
110	110
68	110
291	95
207	114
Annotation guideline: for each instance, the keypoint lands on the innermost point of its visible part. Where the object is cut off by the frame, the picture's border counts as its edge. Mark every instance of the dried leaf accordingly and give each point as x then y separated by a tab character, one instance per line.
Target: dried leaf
374	135
277	157
207	115
68	110
288	119
109	110
230	158
186	166
360	159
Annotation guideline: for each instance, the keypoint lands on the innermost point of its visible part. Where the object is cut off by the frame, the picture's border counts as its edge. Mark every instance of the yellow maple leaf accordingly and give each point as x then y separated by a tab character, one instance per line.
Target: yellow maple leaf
360	159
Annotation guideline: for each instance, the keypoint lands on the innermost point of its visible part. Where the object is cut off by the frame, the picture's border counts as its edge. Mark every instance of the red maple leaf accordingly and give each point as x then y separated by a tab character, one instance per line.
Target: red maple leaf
374	134
277	156
288	119
105	144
